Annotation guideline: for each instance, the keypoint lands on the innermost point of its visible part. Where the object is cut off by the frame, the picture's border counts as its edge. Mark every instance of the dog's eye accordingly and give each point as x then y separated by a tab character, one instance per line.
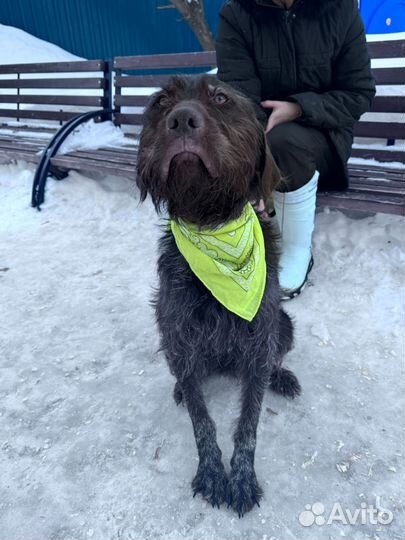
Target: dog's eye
220	98
162	101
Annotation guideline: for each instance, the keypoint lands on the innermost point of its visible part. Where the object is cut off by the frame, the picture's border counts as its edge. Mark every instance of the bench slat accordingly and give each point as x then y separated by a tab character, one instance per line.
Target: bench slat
112	157
371	178
27	128
30	146
389	75
379	155
378	186
14	155
130	119
166	61
69	162
55	67
367	169
122	150
372	203
59	116
90	101
85	82
386	49
371	166
391	104
375	167
131	101
142	81
365	195
380	130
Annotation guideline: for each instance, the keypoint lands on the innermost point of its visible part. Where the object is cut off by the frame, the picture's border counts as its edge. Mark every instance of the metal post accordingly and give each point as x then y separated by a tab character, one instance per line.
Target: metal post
108	90
18	97
117	108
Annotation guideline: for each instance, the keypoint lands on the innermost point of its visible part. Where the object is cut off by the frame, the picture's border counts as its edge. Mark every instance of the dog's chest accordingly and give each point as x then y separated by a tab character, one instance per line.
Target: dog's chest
190	319
197	332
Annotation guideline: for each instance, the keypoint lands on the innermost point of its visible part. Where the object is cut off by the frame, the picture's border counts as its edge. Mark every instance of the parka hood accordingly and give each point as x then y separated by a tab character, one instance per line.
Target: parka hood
309	8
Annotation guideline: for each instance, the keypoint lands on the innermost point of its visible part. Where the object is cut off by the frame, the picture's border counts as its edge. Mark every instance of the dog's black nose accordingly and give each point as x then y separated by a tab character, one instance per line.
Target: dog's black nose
184	120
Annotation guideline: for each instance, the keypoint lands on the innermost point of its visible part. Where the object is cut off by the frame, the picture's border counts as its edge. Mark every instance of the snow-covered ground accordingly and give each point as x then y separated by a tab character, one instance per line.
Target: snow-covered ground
92	444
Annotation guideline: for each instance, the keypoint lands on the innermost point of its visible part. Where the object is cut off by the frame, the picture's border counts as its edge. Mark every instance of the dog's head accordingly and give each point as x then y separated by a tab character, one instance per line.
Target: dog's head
202	153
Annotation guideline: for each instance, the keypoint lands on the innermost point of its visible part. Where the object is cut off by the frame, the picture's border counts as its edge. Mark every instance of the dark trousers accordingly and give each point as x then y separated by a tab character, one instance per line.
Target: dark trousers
299	151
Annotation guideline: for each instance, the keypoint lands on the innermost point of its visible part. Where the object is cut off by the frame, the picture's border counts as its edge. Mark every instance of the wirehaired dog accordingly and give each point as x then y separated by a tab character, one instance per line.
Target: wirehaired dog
202	157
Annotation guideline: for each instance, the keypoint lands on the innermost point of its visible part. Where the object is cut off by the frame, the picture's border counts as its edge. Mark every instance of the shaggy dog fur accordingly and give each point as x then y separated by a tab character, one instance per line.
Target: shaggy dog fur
202	156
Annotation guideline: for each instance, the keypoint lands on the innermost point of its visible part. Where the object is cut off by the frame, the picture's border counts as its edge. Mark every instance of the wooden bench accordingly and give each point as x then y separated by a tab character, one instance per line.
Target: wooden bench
25	97
40	104
377	186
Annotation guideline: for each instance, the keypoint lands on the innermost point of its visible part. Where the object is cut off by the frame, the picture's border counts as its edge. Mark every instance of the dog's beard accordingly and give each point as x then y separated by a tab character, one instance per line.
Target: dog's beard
197	197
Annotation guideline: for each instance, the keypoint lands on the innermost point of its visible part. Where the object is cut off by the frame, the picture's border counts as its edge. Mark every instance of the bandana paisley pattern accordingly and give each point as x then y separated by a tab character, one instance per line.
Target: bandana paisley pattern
229	260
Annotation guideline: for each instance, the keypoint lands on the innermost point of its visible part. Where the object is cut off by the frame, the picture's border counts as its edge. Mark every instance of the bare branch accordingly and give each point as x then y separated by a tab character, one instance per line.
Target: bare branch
194	14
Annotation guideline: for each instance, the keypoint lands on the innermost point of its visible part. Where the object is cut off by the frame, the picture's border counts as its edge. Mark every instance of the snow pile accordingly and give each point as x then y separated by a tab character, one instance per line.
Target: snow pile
19	47
93	135
92	444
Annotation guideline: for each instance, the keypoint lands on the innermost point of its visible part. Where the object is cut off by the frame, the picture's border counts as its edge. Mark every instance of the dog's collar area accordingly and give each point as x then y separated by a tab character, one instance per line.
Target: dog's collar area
229	260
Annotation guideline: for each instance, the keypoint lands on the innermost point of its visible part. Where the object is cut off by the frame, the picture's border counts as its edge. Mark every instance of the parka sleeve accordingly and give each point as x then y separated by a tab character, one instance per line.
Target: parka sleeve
235	62
353	84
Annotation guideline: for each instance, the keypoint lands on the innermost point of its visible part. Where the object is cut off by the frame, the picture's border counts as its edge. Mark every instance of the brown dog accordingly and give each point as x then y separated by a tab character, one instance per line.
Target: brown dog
203	156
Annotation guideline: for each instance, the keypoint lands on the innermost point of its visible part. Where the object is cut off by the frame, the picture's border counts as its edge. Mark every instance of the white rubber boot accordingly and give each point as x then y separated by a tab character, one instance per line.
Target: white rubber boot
295	213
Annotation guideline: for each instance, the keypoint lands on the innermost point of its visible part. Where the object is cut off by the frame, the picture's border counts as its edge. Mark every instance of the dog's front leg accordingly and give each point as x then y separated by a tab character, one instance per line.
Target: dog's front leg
243	489
211	480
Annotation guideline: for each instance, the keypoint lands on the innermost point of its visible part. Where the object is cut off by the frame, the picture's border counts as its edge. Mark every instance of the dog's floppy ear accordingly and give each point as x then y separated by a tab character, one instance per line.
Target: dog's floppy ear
144	172
267	173
142	185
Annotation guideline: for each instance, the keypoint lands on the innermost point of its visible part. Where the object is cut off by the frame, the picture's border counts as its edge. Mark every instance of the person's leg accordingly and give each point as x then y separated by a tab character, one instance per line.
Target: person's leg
299	151
295	214
303	155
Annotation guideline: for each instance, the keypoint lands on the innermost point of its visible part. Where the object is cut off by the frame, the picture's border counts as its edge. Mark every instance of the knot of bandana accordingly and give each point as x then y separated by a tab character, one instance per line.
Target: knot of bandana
229	260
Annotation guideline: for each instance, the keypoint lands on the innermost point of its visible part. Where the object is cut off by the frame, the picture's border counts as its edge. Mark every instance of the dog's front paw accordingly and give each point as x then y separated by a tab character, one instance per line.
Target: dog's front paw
243	491
211	481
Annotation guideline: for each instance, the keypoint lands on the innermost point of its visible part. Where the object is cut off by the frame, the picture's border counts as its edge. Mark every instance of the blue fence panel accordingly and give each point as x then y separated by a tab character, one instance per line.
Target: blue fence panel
383	16
102	28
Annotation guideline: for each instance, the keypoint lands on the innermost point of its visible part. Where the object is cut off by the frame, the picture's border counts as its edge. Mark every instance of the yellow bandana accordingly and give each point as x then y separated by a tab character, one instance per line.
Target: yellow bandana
229	260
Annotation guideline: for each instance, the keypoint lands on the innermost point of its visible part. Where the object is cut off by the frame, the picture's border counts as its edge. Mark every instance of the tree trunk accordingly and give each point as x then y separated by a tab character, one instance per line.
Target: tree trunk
194	15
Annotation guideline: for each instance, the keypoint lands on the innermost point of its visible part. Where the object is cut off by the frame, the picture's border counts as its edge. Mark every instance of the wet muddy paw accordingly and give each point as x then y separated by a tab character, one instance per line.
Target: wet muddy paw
211	482
244	491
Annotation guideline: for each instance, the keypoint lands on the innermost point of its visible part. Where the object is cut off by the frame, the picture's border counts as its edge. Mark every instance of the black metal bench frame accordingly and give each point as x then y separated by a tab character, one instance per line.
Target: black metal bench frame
72	118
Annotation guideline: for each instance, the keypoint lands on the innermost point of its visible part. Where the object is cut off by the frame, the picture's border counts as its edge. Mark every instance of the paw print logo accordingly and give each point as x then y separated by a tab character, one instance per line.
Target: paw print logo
312	514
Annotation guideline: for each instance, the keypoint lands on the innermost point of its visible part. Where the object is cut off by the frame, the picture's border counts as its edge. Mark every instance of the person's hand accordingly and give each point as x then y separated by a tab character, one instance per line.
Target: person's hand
282	111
